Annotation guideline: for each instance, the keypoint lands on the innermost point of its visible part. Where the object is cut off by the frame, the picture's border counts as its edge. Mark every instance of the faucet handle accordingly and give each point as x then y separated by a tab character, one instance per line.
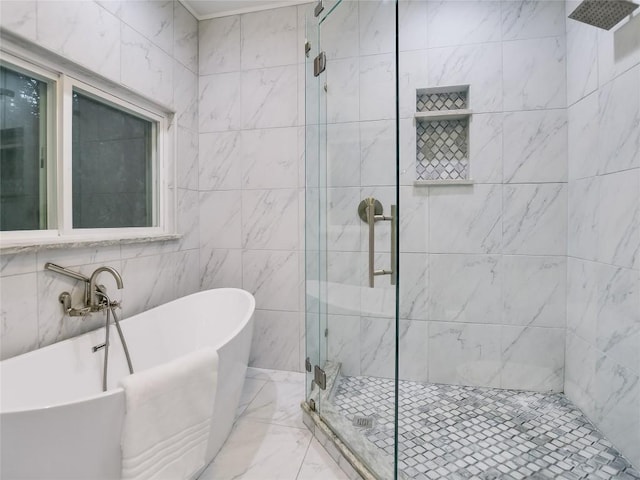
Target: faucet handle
103	302
65	299
83	312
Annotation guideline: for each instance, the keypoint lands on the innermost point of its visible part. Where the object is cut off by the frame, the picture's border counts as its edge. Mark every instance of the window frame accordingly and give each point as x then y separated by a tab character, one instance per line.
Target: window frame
53	126
61	84
71	85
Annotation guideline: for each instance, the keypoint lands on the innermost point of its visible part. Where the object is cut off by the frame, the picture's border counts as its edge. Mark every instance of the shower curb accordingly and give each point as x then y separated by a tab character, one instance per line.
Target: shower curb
334	431
337	450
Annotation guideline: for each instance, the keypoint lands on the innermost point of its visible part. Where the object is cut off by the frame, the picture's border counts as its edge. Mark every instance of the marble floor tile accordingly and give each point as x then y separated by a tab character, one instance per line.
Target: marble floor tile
278	403
275	375
252	387
318	465
269	440
260	451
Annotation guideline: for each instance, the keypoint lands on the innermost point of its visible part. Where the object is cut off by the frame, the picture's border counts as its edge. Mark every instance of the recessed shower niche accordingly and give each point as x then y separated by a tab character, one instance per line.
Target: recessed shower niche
442	135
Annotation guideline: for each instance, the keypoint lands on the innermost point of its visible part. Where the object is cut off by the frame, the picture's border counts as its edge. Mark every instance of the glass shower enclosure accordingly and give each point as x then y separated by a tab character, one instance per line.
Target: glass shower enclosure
472	238
351	208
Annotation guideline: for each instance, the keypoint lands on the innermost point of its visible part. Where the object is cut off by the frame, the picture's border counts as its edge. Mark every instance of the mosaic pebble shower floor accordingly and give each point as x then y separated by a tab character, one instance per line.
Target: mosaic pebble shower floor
455	432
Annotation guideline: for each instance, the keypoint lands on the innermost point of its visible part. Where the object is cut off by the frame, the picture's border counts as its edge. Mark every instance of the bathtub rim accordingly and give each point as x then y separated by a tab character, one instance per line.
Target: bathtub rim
117	390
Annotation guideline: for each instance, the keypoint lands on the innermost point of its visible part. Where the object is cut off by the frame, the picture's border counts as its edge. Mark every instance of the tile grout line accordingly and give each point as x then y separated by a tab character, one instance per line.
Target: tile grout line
244	410
304	458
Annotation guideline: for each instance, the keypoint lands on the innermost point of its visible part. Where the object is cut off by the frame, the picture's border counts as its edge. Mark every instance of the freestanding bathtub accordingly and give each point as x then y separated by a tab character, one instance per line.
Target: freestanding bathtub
55	421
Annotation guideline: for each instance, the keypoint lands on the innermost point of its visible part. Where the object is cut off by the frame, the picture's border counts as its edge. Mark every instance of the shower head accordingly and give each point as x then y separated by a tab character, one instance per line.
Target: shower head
603	13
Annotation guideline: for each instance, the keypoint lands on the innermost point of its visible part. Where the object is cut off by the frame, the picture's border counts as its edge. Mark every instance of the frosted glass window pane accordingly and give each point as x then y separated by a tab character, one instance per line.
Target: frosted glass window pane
112	166
23	131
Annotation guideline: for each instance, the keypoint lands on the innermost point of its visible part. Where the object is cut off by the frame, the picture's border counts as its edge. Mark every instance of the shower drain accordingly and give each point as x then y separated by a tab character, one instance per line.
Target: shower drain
362	421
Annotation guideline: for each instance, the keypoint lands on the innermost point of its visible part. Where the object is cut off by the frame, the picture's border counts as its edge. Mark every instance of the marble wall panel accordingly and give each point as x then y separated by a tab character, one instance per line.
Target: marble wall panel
536	146
219	45
521	20
146	68
269	38
464	354
535	74
151	49
534	219
84	33
476	22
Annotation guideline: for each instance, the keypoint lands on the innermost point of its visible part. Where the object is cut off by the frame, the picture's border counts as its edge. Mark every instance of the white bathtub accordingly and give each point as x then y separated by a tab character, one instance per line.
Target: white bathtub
55	421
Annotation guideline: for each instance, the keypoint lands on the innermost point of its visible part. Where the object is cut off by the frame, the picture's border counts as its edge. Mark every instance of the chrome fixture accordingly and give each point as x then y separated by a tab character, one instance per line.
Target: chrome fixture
65	300
65	271
92	304
604	14
111	310
92	301
65	297
371	211
320	377
363	421
319	64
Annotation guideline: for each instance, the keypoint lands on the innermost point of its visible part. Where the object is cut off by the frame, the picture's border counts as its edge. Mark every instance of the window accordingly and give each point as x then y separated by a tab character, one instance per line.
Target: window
78	161
24	102
112	162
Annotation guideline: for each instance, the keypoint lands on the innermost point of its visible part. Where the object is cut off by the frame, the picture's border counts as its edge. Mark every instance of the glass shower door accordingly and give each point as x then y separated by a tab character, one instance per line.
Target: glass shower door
315	243
351	224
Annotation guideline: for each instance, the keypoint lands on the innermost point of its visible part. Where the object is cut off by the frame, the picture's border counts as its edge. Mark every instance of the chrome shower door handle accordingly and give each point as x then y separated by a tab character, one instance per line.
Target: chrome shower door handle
370	211
394	245
371	221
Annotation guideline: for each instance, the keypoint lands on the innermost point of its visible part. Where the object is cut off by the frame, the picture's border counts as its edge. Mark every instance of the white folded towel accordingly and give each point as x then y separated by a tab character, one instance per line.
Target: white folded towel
168	417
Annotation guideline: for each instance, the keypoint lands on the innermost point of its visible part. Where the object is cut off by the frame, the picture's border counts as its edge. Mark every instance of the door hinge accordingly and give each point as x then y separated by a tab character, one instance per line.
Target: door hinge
319	8
320	378
326	333
307	48
307	364
312	404
319	64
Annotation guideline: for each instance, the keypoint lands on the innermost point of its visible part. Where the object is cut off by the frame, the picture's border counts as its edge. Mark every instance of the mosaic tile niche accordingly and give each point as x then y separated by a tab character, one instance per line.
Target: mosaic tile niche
442	135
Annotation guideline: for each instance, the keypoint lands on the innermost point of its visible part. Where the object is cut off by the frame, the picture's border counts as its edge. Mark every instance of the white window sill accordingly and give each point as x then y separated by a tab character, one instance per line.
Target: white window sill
7	248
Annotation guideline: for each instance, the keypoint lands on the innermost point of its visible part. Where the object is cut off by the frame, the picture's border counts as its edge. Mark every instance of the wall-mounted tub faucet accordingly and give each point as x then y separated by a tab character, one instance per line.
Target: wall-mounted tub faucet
91	289
95	300
92	299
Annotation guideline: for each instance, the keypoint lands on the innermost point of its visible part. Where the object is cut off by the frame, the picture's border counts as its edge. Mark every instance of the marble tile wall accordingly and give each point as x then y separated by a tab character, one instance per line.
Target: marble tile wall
149	47
483	267
603	272
251	172
495	275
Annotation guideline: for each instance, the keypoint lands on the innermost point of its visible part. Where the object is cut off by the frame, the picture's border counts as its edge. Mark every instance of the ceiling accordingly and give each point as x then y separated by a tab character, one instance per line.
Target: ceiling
204	9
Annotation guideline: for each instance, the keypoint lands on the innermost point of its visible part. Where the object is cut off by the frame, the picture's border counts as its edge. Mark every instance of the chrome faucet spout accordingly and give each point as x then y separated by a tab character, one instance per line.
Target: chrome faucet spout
65	271
92	301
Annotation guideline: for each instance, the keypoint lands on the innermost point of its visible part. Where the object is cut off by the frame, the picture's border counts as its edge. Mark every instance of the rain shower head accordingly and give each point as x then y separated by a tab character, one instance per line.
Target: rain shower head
603	13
